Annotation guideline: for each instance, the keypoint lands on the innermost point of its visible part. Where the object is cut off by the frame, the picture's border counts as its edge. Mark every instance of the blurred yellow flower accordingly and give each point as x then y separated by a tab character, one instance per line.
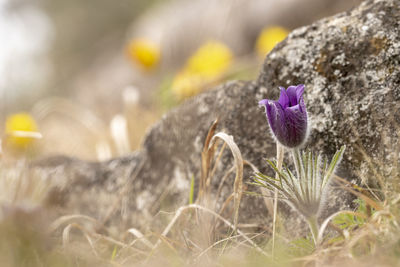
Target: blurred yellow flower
269	38
210	60
186	84
145	53
21	130
205	66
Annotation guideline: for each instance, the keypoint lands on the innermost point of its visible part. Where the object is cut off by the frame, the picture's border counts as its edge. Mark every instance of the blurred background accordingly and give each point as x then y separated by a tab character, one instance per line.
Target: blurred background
87	78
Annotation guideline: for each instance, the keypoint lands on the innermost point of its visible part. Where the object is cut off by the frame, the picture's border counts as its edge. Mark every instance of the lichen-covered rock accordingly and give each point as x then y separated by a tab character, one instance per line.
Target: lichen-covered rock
350	64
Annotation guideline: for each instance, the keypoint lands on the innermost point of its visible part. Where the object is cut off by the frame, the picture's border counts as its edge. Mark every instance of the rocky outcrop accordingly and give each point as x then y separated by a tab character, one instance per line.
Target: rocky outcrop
350	64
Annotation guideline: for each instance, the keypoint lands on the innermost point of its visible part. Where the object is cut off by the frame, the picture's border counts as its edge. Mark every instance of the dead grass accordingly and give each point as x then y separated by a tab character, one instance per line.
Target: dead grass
197	234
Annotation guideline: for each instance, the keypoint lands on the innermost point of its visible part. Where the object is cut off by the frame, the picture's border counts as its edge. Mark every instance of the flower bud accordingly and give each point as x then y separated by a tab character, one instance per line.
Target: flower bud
287	117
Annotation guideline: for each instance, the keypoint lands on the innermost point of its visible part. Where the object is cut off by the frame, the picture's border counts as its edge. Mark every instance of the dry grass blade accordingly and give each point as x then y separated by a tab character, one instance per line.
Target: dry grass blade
87	235
215	244
367	199
225	204
169	243
206	156
226	222
140	237
216	162
222	183
118	243
57	223
66	234
264	191
238	183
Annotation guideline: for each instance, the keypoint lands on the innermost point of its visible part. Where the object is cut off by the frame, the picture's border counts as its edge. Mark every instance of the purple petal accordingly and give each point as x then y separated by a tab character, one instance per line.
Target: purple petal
302	106
270	110
299	92
276	120
283	98
263	102
296	123
292	94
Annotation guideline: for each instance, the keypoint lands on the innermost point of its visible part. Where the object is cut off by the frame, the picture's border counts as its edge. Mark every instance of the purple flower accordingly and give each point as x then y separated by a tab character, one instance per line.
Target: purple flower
287	117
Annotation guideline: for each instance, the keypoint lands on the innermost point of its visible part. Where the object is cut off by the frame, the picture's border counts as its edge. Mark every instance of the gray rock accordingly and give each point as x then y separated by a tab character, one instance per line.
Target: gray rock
350	64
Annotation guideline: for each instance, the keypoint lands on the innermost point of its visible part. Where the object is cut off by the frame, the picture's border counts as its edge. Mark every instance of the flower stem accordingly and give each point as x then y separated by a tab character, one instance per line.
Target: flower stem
279	159
297	162
313	224
300	172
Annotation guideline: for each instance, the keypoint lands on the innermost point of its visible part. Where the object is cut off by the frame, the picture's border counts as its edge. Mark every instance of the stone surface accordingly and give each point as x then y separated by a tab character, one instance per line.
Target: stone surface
350	64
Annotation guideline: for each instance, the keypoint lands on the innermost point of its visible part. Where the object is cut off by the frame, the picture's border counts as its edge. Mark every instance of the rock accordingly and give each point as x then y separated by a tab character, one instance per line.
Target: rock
350	66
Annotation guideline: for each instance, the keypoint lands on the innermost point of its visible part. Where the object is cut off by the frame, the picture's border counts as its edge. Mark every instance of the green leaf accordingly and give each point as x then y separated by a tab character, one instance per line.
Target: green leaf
350	221
301	247
114	253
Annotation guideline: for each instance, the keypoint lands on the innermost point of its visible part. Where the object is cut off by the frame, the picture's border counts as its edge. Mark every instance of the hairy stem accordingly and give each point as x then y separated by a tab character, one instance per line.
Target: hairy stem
313	224
279	159
298	164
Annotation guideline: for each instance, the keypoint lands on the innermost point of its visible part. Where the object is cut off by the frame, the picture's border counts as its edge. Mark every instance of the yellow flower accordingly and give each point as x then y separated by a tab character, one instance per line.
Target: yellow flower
269	38
186	84
205	66
21	130
210	60
145	53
